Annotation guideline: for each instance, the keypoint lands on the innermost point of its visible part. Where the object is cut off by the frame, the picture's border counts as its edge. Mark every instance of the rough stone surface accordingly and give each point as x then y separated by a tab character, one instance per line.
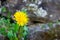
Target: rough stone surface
1	37
36	33
53	8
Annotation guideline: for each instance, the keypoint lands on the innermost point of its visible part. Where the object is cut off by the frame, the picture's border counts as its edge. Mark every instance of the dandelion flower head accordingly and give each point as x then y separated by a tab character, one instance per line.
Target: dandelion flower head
21	18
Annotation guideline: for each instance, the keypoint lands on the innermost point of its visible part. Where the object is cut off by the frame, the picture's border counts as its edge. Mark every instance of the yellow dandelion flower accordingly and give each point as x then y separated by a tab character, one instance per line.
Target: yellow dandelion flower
21	18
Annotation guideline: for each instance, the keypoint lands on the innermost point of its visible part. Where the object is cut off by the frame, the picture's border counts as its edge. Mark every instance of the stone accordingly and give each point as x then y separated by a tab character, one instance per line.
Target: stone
53	8
1	37
36	33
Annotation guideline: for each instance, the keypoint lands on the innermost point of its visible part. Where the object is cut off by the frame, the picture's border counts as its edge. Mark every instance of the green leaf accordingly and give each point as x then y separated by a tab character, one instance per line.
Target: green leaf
2	31
15	38
50	24
25	28
43	26
25	38
10	34
4	9
58	22
25	33
9	14
24	10
15	27
14	35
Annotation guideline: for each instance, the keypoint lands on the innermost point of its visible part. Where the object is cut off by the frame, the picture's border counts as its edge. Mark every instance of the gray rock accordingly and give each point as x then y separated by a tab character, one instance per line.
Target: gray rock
1	37
53	8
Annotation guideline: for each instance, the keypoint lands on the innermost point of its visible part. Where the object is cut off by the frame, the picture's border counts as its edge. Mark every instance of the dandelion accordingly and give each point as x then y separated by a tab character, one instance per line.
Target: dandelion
21	18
